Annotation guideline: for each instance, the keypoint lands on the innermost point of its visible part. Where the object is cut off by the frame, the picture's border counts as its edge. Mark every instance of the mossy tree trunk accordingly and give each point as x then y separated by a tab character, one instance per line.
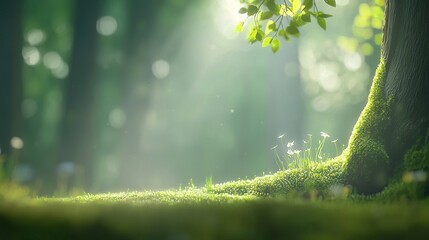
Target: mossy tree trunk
397	113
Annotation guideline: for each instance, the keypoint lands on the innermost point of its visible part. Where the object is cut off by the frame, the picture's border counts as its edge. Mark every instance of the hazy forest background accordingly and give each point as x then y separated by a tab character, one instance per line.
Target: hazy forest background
116	95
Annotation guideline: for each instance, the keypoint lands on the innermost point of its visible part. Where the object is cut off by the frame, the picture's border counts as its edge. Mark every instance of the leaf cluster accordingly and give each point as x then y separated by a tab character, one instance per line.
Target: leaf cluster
282	19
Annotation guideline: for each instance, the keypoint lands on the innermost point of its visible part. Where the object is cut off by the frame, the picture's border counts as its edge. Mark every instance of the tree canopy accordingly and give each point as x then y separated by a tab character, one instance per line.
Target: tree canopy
281	20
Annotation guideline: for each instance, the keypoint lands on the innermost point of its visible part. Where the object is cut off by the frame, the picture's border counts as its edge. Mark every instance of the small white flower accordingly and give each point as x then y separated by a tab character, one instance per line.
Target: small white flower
274	147
324	135
334	141
281	136
319	157
290	152
297	151
305	142
290	144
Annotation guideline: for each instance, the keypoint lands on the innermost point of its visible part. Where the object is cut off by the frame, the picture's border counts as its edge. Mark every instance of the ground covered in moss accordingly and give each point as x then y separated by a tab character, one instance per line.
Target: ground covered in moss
297	204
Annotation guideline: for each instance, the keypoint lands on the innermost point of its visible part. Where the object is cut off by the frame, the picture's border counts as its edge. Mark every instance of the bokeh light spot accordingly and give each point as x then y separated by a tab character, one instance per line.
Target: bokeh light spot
35	37
353	61
23	173
16	143
62	71
117	118
52	60
107	25
66	168
321	104
342	2
31	55
160	69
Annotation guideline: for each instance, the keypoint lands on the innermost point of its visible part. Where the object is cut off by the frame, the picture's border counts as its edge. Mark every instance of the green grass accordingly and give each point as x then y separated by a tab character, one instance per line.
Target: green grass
294	204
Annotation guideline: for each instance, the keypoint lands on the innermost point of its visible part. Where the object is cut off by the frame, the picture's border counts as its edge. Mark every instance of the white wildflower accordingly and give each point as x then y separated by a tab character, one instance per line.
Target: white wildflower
324	135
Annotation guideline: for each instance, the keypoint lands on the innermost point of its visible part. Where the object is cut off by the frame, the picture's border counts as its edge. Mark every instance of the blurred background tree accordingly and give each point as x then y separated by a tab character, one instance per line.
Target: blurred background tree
10	74
117	95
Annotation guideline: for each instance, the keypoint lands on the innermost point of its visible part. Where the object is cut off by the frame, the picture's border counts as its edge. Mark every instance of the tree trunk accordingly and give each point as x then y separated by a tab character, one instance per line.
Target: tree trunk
10	72
397	112
406	53
77	145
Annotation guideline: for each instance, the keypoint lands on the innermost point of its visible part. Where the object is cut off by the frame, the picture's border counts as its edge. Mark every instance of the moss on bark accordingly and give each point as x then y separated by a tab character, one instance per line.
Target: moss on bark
366	163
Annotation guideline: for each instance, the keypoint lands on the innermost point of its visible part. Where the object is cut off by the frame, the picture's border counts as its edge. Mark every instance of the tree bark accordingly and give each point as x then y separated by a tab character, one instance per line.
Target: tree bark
406	52
397	113
10	72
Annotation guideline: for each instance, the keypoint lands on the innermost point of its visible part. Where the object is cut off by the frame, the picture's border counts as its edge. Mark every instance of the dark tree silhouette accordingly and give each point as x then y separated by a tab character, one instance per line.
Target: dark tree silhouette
10	72
77	145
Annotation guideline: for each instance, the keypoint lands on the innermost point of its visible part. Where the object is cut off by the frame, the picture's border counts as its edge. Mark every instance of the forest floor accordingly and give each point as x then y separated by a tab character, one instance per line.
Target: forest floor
261	208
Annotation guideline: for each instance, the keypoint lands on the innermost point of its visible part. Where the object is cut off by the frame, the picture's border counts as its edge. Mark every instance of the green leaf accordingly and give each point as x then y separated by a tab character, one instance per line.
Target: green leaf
266	15
331	3
281	10
297	21
321	22
306	17
271	27
271	5
324	15
292	30
260	35
267	41
252	10
308	4
251	37
242	10
296	5
283	33
275	44
239	27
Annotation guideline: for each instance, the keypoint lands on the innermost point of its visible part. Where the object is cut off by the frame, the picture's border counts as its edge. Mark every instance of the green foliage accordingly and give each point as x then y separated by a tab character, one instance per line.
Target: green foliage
331	3
284	18
275	44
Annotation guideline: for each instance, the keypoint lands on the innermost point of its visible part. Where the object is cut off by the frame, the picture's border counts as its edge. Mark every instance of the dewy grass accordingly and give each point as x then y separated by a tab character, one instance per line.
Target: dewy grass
287	156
